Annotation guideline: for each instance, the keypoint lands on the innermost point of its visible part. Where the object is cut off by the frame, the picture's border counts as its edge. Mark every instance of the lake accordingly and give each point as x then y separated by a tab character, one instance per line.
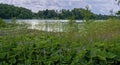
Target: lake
47	25
44	25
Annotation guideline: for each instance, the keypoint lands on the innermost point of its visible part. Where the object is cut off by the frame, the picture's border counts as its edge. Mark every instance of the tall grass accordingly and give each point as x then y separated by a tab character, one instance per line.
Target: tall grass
97	43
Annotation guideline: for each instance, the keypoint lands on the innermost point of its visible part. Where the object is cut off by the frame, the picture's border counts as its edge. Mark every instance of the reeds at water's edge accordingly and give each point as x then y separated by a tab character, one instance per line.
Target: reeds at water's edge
94	43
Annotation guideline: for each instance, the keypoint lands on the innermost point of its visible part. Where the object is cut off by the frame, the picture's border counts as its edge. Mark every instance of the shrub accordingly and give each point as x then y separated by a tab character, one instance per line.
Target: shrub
2	23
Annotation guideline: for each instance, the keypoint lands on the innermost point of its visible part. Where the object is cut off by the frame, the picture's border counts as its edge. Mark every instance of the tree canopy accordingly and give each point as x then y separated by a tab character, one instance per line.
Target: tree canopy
11	11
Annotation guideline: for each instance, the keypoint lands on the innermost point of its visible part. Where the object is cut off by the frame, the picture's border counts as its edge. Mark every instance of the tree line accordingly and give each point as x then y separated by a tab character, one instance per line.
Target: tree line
11	11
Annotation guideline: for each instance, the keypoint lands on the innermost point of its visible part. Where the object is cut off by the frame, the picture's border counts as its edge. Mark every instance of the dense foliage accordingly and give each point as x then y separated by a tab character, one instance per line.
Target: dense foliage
97	43
10	11
118	13
2	23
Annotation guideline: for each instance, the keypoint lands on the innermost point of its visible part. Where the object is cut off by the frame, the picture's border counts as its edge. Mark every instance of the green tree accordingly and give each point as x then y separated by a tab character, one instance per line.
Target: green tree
86	14
10	11
118	13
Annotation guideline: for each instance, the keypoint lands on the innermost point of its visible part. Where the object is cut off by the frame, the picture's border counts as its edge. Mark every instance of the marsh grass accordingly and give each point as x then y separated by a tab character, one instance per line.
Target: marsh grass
96	43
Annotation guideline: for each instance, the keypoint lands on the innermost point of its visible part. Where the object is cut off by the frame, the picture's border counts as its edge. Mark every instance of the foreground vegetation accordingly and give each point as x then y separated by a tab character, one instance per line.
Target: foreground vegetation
96	43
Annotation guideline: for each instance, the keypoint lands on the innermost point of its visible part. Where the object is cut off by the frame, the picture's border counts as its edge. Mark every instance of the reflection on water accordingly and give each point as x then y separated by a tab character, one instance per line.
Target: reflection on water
46	25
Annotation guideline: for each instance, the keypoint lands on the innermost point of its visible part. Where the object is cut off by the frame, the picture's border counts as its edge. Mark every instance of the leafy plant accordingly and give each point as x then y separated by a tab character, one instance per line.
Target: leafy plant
96	44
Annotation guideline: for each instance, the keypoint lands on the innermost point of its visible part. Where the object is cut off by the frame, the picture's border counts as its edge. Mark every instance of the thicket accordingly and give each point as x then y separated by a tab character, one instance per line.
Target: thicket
96	43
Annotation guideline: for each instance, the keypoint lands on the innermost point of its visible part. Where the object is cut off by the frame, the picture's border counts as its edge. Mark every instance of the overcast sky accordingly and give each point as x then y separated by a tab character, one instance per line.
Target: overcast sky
96	6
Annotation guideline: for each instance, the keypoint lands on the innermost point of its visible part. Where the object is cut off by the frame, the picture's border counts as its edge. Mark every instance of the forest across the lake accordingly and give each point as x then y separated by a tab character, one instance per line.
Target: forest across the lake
11	11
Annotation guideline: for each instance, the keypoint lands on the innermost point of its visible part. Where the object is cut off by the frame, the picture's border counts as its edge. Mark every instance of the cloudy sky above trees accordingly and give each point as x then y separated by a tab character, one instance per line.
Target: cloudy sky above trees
96	6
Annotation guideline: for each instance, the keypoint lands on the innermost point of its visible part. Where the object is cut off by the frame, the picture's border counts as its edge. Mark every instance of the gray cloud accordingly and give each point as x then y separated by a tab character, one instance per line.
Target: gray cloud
96	6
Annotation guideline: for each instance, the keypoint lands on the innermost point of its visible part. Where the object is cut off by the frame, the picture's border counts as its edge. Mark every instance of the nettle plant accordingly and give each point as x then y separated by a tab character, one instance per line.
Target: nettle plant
98	43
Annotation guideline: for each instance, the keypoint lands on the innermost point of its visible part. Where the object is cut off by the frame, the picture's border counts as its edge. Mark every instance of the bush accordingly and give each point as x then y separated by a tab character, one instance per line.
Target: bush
2	23
97	44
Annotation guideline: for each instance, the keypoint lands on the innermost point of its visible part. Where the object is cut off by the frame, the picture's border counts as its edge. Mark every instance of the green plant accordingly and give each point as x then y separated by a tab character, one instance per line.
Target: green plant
96	44
2	23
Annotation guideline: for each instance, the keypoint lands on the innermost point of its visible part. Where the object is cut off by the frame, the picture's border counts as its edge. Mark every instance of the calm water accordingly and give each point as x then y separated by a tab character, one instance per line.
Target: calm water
45	25
38	20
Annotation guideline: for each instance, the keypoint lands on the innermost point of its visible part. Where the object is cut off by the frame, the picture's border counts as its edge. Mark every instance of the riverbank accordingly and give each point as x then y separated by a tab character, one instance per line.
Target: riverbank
96	43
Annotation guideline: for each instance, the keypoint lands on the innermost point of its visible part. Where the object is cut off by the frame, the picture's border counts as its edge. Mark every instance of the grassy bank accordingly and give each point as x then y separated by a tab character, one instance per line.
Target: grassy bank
97	43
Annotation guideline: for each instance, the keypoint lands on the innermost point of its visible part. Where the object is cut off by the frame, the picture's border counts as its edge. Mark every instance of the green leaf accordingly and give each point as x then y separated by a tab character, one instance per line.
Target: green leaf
0	63
13	60
102	58
111	55
2	55
5	64
28	62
